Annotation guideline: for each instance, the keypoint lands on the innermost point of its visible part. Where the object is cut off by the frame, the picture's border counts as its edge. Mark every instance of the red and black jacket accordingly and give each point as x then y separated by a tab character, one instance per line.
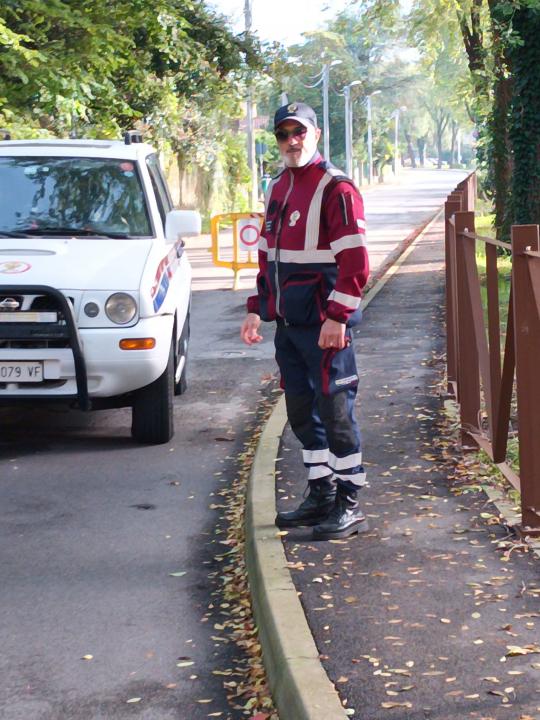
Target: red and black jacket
313	262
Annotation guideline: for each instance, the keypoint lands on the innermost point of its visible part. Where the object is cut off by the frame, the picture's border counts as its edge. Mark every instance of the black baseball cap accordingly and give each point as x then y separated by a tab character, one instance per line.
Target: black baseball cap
298	111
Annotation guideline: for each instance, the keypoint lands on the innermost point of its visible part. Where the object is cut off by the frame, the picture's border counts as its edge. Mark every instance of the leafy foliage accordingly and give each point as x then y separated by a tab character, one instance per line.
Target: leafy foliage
499	41
97	67
524	114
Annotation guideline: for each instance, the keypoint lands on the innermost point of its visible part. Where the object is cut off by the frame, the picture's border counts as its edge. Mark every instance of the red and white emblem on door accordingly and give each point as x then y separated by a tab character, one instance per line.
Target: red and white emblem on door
12	267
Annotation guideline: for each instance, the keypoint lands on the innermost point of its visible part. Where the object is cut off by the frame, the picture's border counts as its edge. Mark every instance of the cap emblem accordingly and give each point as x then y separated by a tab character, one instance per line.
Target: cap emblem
293	107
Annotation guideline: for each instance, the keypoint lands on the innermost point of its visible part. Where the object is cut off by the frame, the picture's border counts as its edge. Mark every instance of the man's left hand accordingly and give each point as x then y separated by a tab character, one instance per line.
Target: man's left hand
332	335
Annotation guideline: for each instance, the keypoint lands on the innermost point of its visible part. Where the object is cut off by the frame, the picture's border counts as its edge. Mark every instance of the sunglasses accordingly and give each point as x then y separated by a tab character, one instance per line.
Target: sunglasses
297	132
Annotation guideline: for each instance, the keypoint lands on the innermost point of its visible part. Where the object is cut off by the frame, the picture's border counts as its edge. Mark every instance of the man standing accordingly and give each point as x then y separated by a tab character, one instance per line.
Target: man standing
313	265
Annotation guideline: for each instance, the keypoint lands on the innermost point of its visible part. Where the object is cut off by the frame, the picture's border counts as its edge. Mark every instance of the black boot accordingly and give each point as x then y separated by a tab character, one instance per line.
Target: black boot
314	509
344	519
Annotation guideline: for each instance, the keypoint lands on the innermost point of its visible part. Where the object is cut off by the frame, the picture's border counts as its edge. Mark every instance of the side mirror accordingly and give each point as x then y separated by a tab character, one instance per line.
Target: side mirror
182	223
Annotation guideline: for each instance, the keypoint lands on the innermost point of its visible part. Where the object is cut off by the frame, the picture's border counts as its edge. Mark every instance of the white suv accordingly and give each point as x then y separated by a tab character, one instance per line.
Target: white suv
95	285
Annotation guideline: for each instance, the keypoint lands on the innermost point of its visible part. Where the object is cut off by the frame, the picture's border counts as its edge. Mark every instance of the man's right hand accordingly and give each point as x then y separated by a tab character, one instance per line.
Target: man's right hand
249	330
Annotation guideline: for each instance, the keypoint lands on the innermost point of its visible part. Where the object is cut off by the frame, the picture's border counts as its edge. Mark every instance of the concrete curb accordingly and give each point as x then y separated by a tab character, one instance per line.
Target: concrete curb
300	687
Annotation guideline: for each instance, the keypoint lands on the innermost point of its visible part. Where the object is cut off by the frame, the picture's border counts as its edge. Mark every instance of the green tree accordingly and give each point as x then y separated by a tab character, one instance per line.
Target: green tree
499	42
97	67
108	63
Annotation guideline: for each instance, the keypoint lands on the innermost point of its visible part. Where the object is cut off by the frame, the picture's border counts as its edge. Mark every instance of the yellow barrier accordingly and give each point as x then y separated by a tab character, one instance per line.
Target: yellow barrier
242	257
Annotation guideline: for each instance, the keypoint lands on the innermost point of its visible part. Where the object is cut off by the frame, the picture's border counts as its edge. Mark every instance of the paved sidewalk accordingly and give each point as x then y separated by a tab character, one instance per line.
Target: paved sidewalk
415	619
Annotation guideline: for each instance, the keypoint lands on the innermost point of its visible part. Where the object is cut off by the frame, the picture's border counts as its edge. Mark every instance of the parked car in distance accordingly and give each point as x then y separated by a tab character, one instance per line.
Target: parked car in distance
95	286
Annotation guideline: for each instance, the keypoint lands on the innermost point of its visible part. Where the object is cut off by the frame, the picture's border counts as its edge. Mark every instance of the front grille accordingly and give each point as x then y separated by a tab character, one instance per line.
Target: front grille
36	303
32	344
46	303
49	323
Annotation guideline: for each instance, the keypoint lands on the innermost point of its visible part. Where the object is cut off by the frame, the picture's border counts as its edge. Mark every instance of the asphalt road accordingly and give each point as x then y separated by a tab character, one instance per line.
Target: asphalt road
91	528
92	525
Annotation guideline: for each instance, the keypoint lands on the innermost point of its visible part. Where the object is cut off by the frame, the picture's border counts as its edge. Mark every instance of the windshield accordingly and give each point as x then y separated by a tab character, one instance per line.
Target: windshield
65	196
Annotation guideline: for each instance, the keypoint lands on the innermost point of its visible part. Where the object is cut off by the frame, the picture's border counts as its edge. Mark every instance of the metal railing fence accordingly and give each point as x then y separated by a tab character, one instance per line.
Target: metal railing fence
480	377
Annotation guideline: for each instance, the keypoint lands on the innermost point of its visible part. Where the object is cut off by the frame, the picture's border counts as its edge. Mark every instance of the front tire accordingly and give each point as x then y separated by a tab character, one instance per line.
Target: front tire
153	413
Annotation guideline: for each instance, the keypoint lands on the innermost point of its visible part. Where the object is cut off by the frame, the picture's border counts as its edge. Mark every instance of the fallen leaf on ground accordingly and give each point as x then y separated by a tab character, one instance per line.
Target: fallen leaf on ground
525	650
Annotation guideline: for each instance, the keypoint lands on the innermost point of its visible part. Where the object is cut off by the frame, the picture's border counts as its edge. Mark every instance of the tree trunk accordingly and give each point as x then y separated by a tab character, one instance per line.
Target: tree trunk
421	143
439	148
410	149
441	122
500	170
453	144
499	148
473	39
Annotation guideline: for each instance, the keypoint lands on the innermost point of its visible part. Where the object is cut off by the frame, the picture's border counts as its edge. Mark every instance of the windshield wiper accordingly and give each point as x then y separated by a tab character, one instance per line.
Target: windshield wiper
70	231
12	234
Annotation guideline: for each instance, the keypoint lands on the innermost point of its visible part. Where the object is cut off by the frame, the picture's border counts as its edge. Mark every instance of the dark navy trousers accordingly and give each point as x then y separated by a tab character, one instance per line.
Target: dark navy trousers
320	390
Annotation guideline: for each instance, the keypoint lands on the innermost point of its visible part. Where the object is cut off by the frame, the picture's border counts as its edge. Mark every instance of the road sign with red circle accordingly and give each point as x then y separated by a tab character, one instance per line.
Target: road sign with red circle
249	232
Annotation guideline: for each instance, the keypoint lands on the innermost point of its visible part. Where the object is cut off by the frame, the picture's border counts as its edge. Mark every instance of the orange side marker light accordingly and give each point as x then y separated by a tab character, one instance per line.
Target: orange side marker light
137	343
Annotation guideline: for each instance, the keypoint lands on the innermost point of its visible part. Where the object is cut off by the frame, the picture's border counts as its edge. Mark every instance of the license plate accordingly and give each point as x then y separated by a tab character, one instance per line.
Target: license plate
21	371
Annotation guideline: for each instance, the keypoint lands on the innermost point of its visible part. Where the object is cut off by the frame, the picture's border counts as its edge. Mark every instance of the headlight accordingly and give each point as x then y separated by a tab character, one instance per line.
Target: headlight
121	308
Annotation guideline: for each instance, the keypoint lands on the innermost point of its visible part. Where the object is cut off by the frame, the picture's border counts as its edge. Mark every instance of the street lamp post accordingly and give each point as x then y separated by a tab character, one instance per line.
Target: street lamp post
252	159
395	115
370	135
323	77
348	161
348	127
326	120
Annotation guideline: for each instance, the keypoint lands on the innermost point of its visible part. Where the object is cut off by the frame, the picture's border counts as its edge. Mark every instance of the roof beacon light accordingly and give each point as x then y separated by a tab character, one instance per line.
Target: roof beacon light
133	136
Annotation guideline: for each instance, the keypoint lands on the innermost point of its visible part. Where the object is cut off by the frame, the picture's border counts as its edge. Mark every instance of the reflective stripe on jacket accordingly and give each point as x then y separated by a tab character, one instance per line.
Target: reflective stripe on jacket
313	261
